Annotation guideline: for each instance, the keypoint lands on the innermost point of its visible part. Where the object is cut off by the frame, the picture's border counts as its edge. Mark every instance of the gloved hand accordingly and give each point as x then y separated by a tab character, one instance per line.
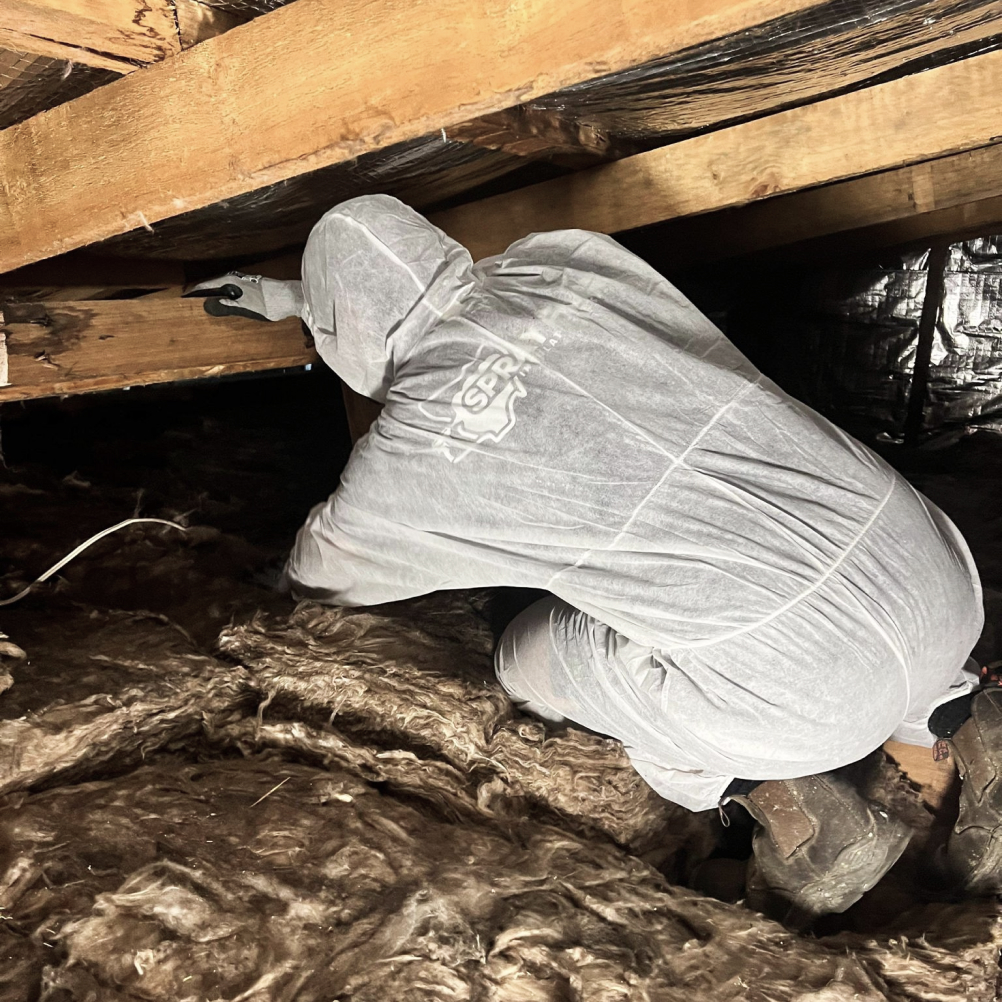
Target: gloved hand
239	295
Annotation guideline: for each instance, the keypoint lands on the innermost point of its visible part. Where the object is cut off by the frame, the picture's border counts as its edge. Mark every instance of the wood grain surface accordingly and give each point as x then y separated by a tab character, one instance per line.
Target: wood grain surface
942	111
61	348
314	83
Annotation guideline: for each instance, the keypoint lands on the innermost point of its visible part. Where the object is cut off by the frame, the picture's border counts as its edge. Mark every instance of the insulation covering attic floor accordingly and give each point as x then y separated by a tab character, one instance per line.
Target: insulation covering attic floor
210	794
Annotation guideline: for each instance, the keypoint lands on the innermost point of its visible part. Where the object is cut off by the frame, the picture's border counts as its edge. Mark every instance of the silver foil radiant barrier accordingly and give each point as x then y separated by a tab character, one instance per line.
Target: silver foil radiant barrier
847	342
965	370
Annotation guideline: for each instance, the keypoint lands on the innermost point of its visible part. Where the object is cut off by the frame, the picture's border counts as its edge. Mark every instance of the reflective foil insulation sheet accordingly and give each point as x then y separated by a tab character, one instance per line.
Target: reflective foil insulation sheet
424	172
845	340
965	368
848	341
30	84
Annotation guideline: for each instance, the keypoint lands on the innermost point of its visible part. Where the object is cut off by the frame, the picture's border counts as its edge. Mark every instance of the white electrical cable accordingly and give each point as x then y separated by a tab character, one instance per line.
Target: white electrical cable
83	546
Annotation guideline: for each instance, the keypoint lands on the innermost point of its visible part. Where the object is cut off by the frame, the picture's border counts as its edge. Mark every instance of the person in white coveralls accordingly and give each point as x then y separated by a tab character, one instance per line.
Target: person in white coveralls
745	596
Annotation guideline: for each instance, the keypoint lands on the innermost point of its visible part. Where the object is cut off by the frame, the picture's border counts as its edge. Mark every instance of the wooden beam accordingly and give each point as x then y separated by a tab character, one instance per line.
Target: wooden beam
863	244
930	199
52	349
17	41
111	34
803	57
961	222
538	134
941	111
352	75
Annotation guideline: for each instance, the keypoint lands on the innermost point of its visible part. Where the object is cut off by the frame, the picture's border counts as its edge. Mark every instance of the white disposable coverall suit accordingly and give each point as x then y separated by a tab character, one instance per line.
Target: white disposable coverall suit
740	589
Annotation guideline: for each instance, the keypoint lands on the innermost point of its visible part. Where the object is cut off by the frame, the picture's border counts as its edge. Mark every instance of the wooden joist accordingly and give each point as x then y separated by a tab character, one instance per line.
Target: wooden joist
353	77
939	112
52	349
110	34
956	194
803	57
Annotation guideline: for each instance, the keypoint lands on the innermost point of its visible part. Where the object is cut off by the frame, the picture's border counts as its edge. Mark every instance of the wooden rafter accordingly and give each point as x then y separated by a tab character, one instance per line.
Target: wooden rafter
111	34
950	195
49	349
353	77
727	81
942	111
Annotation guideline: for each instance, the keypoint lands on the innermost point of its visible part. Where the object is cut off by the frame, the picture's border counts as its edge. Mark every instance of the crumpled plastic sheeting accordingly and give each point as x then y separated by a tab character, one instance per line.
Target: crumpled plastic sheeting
965	373
267	880
98	688
420	689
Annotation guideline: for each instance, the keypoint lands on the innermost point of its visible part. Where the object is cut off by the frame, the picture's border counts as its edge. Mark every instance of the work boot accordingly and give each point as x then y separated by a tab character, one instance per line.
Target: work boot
974	851
820	846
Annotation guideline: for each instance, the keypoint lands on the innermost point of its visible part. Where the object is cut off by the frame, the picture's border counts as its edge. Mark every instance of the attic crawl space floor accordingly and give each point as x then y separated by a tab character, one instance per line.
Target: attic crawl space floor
210	794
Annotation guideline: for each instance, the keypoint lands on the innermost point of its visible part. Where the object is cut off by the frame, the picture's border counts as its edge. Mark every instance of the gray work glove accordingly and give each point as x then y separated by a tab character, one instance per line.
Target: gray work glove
239	295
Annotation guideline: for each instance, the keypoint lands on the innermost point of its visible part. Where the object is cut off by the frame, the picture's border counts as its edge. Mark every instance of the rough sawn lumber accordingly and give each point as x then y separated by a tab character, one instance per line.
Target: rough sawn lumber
60	348
935	198
943	111
110	34
353	77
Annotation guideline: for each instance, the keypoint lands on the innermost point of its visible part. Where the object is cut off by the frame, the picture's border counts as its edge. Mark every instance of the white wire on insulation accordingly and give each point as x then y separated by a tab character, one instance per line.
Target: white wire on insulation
83	546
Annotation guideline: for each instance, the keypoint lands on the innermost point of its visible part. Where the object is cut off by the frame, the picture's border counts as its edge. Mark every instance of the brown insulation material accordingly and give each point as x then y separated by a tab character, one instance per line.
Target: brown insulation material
100	688
383	674
441	784
262	880
423	682
21	961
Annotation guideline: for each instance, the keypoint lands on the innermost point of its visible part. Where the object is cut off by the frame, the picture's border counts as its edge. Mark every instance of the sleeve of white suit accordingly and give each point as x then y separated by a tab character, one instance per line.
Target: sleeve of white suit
341	558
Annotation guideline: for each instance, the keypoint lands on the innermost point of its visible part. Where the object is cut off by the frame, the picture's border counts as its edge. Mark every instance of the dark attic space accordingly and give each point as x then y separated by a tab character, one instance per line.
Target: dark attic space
213	792
500	501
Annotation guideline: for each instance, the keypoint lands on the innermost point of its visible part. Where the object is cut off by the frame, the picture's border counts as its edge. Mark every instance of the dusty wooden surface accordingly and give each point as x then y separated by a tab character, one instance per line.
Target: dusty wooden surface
17	41
111	34
353	77
942	111
60	348
930	199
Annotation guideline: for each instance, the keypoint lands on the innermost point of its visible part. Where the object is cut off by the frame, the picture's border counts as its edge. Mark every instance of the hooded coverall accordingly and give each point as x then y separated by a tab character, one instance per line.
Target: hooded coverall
739	588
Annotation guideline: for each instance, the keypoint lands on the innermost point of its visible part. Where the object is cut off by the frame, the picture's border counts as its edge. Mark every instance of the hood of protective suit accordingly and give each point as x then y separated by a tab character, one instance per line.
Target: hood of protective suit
376	277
